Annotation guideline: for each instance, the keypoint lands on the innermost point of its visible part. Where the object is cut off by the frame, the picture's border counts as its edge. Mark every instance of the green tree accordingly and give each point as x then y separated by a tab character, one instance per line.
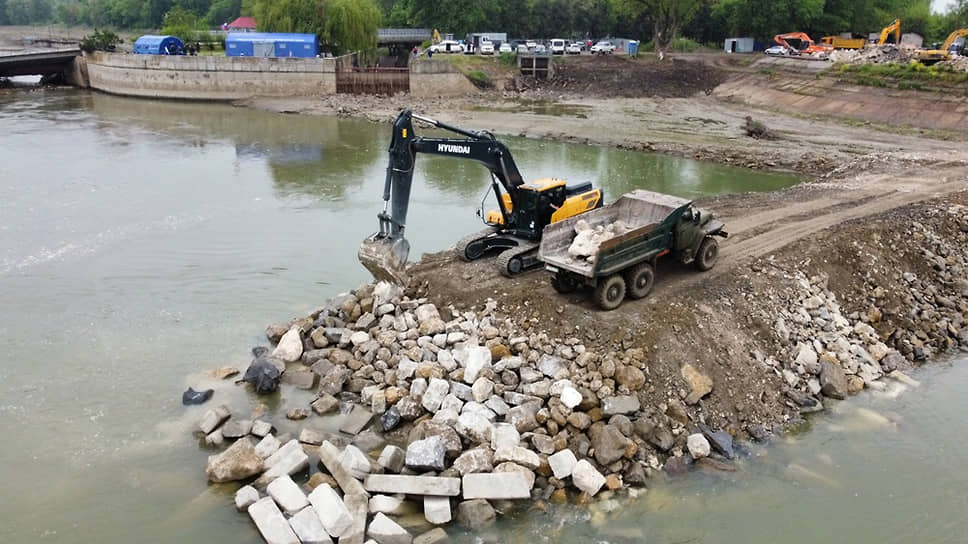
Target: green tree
223	11
3	13
667	17
351	25
181	23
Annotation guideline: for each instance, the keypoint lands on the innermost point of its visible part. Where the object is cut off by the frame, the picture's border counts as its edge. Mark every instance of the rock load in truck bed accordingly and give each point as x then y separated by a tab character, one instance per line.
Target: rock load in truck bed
635	214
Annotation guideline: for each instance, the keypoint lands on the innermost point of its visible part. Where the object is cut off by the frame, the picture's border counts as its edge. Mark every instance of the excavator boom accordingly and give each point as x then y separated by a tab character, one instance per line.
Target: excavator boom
894	28
385	252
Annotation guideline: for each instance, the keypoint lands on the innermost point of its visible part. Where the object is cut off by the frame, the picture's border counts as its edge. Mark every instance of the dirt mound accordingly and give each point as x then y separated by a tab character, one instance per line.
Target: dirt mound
958	64
610	76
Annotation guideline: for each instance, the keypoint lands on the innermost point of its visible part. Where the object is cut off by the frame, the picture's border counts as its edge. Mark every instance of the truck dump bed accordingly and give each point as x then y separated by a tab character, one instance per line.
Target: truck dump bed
648	219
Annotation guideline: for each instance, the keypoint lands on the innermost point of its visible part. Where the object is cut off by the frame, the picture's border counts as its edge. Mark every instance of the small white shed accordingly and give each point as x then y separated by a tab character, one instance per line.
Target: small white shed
738	45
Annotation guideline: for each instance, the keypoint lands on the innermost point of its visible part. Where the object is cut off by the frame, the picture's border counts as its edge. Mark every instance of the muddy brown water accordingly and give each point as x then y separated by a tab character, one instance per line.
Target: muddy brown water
146	242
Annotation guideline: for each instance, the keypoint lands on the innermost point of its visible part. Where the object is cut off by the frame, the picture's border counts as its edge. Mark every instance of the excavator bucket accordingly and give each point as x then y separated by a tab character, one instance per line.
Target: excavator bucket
386	258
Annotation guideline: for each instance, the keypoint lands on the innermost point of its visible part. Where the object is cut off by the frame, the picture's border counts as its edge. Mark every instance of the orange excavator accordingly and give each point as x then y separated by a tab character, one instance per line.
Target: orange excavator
800	43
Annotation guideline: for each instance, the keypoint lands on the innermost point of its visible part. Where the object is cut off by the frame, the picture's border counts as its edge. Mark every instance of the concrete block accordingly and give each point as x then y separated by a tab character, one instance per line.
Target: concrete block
437	509
392	458
386	531
506	485
267	446
332	512
433	536
329	455
271	523
245	497
287	494
413	485
562	463
308	527
357	504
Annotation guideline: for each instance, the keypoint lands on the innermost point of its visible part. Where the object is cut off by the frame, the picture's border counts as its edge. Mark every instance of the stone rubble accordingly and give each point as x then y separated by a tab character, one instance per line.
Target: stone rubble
477	410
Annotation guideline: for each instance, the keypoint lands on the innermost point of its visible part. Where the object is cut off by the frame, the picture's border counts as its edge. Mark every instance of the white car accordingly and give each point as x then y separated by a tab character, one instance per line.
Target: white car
573	49
778	50
505	48
540	49
487	48
557	46
523	49
603	47
447	46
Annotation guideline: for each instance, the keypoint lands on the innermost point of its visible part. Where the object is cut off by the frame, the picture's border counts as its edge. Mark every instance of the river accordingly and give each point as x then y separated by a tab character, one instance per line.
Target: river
147	242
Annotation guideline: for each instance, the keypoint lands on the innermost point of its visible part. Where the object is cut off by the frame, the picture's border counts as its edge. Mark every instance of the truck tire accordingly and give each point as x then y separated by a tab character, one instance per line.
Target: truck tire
610	291
639	280
565	283
707	254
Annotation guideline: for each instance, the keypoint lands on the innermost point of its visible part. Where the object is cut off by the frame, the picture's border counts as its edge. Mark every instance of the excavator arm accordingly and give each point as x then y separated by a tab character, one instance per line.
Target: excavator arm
385	253
894	28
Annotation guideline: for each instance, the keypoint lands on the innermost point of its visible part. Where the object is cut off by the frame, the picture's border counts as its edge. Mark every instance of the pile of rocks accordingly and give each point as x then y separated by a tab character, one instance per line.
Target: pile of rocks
956	63
872	55
826	352
480	410
588	238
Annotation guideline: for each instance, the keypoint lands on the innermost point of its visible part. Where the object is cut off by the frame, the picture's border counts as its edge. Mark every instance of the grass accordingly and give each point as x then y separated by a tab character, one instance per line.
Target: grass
480	79
678	45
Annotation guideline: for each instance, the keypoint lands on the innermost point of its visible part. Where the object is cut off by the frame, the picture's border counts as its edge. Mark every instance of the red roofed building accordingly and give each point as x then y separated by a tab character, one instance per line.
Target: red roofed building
242	24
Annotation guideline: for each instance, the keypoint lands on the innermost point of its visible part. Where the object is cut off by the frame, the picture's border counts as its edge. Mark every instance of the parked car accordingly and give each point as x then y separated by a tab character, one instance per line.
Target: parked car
523	49
573	49
530	44
540	49
557	46
777	50
447	46
603	47
505	48
487	48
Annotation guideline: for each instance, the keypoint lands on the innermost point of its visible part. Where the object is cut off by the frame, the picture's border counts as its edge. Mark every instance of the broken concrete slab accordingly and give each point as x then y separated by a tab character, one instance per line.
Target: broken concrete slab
562	463
237	462
289	460
213	418
267	446
392	458
271	523
433	536
355	462
413	485
356	420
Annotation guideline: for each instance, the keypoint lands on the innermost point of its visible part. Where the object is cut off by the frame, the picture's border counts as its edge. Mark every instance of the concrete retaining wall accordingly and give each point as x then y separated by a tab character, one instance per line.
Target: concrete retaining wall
438	78
210	78
232	78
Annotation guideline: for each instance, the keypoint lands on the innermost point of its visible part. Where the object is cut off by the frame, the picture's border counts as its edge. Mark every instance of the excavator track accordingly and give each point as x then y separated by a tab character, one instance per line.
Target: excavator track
512	262
465	242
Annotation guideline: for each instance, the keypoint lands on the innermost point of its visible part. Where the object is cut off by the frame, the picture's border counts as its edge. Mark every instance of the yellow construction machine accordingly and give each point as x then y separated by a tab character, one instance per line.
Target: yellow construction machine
893	28
930	56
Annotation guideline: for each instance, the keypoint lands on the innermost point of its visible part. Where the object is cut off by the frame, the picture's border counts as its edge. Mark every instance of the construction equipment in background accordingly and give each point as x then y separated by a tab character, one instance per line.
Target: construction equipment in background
801	44
893	28
931	56
836	42
513	230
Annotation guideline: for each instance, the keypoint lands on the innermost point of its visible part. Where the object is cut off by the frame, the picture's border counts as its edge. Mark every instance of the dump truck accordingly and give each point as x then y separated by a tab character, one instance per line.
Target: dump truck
614	249
838	42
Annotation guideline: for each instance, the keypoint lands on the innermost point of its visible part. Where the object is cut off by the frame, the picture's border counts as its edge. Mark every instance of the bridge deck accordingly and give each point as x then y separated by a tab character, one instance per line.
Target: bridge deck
37	63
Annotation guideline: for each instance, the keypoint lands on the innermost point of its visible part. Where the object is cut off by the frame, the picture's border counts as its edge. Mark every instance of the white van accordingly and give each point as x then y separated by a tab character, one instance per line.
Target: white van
557	46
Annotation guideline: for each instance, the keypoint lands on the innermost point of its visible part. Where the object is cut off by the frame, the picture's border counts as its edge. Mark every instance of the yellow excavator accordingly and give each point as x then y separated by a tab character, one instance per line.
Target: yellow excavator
513	230
930	56
893	28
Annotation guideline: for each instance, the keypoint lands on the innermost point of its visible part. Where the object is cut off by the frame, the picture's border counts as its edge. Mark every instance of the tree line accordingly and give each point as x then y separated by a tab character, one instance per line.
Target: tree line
353	22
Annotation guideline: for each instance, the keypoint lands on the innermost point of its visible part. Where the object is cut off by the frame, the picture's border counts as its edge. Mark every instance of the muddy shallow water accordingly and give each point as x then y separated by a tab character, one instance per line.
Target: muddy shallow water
146	242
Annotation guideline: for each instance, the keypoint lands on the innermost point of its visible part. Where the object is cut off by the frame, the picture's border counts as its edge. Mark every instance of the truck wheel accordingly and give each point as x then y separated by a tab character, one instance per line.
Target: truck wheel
564	283
610	292
708	254
639	280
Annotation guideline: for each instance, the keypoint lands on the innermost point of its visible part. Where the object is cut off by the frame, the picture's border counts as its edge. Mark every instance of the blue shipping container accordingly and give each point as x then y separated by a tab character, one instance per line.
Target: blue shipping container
265	44
158	45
